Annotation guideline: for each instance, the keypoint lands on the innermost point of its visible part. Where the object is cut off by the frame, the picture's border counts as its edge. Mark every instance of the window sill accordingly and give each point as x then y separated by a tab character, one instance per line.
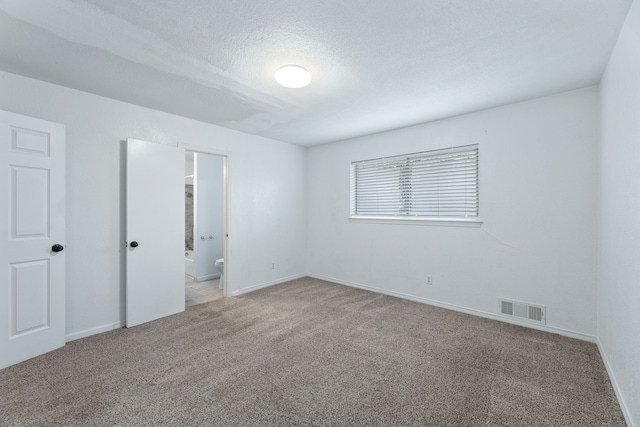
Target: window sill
445	222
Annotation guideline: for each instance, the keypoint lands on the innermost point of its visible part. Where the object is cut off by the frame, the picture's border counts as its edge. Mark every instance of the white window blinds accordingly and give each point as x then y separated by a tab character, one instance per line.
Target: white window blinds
440	183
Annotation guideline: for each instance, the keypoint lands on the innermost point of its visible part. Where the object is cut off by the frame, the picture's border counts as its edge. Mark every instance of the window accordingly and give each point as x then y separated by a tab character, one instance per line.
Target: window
439	184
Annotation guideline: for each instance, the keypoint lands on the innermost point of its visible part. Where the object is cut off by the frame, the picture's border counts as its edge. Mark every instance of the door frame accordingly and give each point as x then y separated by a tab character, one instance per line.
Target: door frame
226	203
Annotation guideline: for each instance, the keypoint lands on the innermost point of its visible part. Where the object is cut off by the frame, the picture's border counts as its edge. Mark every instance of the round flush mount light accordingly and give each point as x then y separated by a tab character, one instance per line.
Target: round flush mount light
293	76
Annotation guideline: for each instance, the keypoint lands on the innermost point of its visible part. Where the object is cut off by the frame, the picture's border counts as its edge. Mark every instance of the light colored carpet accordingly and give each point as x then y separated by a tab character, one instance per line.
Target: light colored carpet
313	353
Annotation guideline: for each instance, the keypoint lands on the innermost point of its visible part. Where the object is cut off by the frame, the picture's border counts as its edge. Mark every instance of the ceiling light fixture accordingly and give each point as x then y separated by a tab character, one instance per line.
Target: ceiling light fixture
293	76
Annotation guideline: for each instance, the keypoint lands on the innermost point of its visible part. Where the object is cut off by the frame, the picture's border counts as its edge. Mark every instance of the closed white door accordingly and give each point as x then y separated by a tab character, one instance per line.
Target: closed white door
155	231
32	237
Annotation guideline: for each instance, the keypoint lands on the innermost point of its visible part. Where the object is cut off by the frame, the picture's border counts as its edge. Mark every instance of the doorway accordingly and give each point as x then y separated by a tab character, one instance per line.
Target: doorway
205	233
155	265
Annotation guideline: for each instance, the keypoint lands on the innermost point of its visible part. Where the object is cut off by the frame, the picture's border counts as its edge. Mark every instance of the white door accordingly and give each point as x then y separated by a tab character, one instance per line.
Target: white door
32	237
155	231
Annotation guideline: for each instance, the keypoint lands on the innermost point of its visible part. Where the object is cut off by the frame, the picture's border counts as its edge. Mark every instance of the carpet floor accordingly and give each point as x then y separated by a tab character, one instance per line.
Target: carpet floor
313	353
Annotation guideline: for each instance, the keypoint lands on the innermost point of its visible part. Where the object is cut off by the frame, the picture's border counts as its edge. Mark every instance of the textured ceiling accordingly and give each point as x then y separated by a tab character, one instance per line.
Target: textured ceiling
376	64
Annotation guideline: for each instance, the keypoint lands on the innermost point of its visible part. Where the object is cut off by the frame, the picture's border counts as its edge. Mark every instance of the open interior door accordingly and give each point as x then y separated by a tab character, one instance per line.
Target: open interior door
155	231
32	237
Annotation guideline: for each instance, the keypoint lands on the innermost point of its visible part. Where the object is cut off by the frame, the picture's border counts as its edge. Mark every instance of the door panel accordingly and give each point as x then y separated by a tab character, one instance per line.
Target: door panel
29	188
155	222
32	220
29	296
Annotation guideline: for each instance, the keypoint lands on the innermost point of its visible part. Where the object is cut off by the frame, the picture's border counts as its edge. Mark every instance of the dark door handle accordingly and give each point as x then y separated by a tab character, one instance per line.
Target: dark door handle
134	244
57	248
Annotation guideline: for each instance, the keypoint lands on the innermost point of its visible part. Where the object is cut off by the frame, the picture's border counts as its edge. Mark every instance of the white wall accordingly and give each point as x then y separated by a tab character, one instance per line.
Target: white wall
208	212
619	217
537	200
267	212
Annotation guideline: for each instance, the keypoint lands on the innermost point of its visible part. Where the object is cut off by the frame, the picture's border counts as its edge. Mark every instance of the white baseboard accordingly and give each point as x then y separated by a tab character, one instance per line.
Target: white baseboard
454	307
92	331
616	388
208	277
265	284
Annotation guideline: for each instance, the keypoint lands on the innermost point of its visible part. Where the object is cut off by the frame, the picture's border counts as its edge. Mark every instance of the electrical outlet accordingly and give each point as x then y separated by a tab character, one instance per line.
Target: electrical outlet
273	265
429	280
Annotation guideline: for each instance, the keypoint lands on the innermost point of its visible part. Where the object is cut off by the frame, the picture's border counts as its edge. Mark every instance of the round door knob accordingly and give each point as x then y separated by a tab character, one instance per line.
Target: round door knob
57	248
134	244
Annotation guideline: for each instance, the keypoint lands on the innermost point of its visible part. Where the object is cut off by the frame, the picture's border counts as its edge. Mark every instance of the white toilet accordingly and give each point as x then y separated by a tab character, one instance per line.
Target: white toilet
220	268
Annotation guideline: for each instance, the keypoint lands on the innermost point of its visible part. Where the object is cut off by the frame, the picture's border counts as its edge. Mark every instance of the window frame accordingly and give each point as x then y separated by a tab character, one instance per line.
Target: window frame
452	220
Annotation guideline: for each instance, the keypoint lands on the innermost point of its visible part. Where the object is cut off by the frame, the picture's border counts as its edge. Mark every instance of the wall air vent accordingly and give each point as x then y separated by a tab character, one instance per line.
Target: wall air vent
529	312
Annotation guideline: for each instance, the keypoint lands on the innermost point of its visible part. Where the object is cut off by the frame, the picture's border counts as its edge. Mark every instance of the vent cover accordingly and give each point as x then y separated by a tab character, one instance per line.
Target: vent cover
522	310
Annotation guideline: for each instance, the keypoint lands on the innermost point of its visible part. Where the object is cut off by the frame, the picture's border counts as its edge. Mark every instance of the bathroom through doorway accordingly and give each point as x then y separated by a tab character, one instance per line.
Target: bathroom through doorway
205	226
